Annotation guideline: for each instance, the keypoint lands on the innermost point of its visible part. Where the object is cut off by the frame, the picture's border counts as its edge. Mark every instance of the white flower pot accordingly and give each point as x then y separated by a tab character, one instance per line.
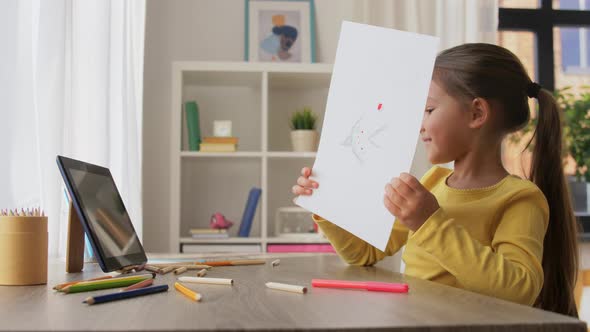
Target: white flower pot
580	194
304	140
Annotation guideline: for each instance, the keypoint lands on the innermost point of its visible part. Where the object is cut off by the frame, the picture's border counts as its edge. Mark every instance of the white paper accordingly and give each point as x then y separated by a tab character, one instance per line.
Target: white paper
363	147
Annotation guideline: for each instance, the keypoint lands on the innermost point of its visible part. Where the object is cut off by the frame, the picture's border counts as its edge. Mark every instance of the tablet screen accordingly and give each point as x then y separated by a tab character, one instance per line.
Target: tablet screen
106	212
112	232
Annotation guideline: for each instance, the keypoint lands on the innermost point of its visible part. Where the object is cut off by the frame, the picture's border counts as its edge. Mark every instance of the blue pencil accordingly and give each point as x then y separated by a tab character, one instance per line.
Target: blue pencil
125	295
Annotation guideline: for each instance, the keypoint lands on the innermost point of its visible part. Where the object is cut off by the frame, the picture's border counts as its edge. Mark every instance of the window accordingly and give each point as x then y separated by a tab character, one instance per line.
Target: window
575	50
552	40
562	37
575	42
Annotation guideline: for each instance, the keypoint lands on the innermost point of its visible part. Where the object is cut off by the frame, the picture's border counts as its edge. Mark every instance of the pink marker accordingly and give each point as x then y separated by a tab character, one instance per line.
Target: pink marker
374	286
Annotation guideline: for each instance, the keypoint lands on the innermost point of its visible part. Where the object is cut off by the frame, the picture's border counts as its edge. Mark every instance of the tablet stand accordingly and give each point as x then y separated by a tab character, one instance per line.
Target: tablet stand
75	242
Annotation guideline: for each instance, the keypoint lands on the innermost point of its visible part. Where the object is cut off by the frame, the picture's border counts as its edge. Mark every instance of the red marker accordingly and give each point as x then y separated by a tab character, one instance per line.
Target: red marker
374	286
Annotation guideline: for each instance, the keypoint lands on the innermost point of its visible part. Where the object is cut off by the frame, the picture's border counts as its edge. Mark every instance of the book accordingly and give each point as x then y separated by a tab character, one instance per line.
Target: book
217	147
249	211
323	247
210	236
193	126
220	139
207	231
226	248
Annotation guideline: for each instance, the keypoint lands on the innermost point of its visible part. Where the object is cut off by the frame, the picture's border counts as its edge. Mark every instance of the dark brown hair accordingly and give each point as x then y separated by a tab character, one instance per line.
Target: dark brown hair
492	72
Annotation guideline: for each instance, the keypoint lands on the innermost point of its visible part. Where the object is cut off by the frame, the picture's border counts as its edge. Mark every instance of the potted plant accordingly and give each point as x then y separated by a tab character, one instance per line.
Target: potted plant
576	108
304	137
576	136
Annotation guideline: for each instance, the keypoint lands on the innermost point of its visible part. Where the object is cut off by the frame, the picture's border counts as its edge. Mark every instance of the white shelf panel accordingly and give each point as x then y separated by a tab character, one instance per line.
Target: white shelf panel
212	66
287	154
297	239
251	154
299	80
238	154
231	240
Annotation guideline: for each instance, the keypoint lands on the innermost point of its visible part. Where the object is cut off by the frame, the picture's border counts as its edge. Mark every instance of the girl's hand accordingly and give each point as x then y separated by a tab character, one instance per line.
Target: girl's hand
408	200
304	185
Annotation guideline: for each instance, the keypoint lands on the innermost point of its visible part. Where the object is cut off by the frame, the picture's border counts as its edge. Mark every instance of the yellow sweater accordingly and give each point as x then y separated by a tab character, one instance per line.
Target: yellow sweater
487	240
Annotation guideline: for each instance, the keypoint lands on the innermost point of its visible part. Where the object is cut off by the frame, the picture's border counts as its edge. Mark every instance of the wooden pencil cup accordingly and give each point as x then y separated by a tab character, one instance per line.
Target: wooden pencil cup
23	250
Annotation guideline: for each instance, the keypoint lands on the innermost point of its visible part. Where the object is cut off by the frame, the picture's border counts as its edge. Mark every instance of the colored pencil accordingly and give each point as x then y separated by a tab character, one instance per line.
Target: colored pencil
136	274
152	268
286	287
235	262
104	284
125	295
190	266
187	291
141	284
200	280
167	269
66	284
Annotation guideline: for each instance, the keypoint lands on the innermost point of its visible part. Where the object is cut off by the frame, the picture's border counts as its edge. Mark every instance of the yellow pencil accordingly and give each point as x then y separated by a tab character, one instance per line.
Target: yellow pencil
187	291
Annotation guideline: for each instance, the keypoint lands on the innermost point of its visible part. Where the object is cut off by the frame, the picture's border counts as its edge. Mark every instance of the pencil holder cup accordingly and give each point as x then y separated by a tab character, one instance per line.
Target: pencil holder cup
23	250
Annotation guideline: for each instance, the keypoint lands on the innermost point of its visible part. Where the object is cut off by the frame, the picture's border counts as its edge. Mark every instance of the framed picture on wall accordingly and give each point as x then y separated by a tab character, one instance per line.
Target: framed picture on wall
280	31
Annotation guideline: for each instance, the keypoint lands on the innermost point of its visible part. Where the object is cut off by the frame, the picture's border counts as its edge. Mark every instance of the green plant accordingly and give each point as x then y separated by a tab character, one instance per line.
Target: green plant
576	128
576	109
303	119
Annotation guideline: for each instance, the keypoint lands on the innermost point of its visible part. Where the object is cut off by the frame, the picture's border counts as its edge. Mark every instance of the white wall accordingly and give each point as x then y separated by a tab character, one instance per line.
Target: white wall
211	30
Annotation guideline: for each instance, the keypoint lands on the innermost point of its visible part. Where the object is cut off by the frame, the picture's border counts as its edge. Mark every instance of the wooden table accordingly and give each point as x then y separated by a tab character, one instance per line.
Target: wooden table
249	305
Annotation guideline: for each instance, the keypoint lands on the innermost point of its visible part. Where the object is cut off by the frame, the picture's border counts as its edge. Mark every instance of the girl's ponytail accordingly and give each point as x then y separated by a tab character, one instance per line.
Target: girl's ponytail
560	248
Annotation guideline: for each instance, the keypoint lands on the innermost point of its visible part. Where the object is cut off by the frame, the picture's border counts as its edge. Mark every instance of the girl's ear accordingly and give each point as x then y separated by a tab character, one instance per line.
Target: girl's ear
479	113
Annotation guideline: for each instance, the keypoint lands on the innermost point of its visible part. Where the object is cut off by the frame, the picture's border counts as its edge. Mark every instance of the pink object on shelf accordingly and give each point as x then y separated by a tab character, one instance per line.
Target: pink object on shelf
218	221
300	248
374	286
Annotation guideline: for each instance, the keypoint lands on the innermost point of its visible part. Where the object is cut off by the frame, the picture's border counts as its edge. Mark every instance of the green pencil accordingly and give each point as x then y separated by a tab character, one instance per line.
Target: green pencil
104	284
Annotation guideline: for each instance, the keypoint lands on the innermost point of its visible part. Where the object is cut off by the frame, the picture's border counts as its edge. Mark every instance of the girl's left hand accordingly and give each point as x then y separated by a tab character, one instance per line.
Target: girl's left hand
408	200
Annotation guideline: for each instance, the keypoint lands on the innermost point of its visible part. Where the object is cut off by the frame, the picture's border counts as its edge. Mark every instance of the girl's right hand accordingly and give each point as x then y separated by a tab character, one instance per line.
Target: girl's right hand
304	185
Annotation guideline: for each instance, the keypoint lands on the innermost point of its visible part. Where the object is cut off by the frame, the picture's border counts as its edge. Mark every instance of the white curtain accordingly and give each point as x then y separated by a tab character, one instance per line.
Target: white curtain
454	21
71	81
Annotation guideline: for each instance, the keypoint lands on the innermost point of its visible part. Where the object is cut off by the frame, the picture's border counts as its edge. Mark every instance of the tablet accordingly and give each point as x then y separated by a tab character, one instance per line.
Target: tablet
102	214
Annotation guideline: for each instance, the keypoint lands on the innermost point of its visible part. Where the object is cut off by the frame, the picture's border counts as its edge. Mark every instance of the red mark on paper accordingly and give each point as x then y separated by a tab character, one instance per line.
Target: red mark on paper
379	107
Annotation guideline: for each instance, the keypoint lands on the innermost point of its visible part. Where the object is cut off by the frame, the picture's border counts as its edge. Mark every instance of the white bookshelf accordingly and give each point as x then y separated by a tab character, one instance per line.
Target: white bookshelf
259	99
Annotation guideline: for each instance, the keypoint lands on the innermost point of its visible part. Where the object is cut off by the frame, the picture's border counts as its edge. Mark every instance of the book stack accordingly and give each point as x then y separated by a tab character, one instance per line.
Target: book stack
209	233
219	144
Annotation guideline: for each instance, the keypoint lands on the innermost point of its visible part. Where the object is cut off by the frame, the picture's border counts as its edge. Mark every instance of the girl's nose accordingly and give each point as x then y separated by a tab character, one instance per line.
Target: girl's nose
422	124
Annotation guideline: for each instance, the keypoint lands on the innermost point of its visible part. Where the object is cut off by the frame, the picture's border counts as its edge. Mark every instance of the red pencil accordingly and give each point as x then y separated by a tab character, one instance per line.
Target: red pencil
141	284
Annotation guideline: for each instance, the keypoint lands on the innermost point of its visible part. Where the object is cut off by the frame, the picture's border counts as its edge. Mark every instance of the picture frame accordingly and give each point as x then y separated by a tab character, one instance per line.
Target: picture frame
281	31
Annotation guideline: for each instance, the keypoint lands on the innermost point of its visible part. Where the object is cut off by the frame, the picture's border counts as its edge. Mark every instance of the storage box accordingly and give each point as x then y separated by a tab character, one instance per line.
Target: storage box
23	250
293	220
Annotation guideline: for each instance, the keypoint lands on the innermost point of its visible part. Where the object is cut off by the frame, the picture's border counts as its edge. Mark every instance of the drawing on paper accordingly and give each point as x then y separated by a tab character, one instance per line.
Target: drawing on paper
363	136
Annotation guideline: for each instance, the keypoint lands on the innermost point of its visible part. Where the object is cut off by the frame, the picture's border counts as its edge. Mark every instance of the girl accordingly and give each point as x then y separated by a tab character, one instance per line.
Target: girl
477	227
